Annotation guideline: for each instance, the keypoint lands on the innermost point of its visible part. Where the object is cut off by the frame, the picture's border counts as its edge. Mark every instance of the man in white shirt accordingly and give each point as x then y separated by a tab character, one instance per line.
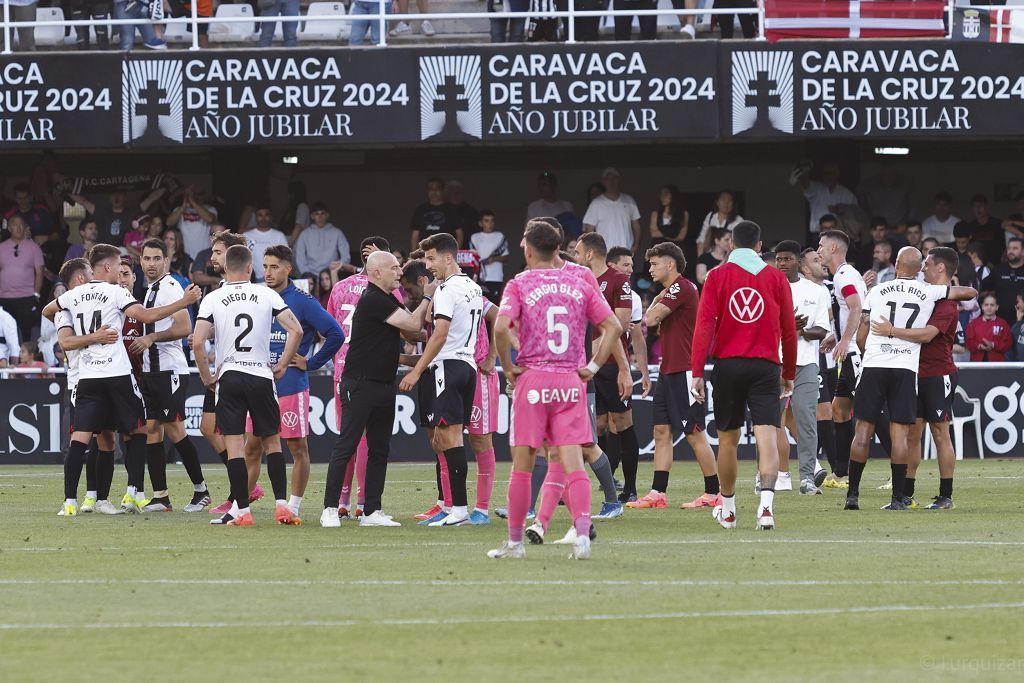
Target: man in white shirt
548	204
614	215
193	219
811	305
940	224
9	344
260	238
492	246
824	196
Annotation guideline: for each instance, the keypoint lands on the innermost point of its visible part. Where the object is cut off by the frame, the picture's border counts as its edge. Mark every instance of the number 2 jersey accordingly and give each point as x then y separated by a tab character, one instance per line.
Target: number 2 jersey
91	306
241	314
907	303
551	308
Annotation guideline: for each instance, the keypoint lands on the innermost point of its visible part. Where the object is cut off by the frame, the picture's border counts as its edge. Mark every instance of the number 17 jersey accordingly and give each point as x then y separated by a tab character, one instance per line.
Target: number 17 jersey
551	308
241	314
906	303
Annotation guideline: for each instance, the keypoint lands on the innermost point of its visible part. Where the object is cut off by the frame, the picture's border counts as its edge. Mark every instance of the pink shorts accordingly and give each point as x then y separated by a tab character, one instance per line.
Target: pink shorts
550	408
484	418
294	416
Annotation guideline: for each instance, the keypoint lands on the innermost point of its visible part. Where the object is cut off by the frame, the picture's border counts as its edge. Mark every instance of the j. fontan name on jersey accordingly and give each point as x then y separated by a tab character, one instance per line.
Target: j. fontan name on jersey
896	286
91	296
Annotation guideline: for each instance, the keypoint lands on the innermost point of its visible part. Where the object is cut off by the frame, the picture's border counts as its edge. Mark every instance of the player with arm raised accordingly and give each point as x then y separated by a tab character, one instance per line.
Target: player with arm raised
240	315
550	308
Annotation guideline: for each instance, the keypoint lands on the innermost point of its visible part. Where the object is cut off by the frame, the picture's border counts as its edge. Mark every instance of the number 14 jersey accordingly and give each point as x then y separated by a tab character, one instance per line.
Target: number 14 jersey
907	304
241	314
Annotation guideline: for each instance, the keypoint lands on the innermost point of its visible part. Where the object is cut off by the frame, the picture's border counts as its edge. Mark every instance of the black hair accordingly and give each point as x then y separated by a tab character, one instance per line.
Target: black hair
746	235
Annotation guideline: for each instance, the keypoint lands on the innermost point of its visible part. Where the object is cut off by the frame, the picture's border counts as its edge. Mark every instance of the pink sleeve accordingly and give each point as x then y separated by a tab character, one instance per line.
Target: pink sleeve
598	309
510	303
37	257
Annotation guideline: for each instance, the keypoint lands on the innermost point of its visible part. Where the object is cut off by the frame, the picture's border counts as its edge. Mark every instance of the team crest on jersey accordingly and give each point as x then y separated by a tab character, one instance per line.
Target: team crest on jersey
674	289
604	286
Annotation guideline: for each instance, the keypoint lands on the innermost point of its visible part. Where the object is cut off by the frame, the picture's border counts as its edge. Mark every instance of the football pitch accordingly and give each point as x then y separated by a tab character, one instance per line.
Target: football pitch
668	595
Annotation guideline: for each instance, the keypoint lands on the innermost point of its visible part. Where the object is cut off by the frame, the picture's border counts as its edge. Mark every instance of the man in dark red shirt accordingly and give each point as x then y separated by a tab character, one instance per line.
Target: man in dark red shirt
615	433
747	308
936	379
676	411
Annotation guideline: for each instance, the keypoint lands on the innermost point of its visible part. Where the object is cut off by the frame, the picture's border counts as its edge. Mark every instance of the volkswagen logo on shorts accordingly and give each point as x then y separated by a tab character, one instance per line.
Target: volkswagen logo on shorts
476	414
290	419
746	305
533	396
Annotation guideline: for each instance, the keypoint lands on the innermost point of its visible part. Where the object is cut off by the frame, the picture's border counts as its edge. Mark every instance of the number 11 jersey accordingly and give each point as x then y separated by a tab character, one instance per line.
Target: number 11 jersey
906	303
241	314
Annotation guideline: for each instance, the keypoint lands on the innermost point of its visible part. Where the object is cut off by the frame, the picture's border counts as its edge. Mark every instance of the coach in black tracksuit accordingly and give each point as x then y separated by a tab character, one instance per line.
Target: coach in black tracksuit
367	388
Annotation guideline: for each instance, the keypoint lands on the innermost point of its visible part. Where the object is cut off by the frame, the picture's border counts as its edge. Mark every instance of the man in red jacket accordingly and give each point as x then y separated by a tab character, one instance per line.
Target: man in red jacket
747	308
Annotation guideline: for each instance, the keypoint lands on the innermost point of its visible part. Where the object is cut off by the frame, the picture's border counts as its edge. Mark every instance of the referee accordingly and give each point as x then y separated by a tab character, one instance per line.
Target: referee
367	386
747	308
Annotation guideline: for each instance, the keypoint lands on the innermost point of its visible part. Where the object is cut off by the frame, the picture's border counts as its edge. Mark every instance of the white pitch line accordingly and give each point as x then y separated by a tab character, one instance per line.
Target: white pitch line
522	619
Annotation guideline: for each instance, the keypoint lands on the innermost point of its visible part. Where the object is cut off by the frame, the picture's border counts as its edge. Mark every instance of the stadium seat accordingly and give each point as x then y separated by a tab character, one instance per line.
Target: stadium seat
177	33
233	32
327	29
49	35
960	421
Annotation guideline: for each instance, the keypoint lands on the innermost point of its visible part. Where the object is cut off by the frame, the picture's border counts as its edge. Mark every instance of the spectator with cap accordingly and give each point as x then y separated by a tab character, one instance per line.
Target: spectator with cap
941	223
322	246
38	220
986	229
614	215
21	276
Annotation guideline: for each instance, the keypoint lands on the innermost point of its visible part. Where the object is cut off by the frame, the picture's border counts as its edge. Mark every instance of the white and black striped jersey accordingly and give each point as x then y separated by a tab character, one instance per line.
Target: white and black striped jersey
460	301
163	356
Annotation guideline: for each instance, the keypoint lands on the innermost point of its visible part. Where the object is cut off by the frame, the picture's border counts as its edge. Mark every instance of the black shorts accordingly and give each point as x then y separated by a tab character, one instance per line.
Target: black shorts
742	383
71	412
826	381
240	394
109	403
210	401
425	398
606	387
454	383
675	406
164	394
935	397
894	389
846	381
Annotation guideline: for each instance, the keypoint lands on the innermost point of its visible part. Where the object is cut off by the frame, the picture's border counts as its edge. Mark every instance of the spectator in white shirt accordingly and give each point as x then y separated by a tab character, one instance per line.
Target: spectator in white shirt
824	196
322	246
193	219
614	215
940	224
549	204
492	247
263	236
723	216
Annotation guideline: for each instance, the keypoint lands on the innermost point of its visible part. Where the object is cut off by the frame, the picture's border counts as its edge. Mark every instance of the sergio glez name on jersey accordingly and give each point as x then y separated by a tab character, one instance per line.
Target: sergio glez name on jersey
534	296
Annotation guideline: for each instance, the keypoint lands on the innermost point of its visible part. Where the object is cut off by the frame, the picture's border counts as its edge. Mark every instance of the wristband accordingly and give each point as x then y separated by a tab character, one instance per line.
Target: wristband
593	367
427	297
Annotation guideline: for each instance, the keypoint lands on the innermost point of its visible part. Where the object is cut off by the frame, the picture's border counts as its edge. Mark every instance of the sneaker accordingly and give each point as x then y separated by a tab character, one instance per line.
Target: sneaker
401	29
757	483
378	518
568	539
809	488
627	497
727	522
441	514
155	44
221	509
652	500
256	493
242	520
284	515
68	510
894	505
610	511
688	32
940	503
910	502
223	520
162	504
88	505
704	500
531	514
105	507
501	513
343	512
852	503
450	519
129	506
359	512
765	520
508	551
535	534
478	517
426	28
200	501
330	518
432	512
819	474
834	482
887	486
784	482
580	549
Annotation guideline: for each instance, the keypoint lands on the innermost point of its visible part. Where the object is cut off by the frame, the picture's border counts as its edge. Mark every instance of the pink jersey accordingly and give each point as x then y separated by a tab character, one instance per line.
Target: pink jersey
342	304
483	342
552	308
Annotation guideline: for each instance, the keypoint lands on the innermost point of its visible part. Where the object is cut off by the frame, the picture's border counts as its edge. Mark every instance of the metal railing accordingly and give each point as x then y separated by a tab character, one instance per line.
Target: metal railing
381	17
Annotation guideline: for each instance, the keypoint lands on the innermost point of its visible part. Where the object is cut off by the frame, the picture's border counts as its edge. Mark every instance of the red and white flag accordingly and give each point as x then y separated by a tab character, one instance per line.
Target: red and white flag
853	18
1006	26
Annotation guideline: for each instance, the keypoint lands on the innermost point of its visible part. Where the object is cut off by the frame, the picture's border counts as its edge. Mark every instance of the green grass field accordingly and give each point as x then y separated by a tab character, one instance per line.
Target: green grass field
668	595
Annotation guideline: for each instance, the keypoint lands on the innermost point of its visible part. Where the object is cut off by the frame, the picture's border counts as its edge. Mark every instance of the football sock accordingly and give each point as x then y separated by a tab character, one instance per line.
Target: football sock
135	462
104	474
827	440
157	462
540	472
294	503
484	479
630	449
278	475
554	488
346	483
729	504
844	439
856	472
91	456
577	488
190	459
660	483
445	479
602	444
457	471
223	455
603	470
767	499
711	485
899	475
908	487
73	464
518	504
238	477
946	488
